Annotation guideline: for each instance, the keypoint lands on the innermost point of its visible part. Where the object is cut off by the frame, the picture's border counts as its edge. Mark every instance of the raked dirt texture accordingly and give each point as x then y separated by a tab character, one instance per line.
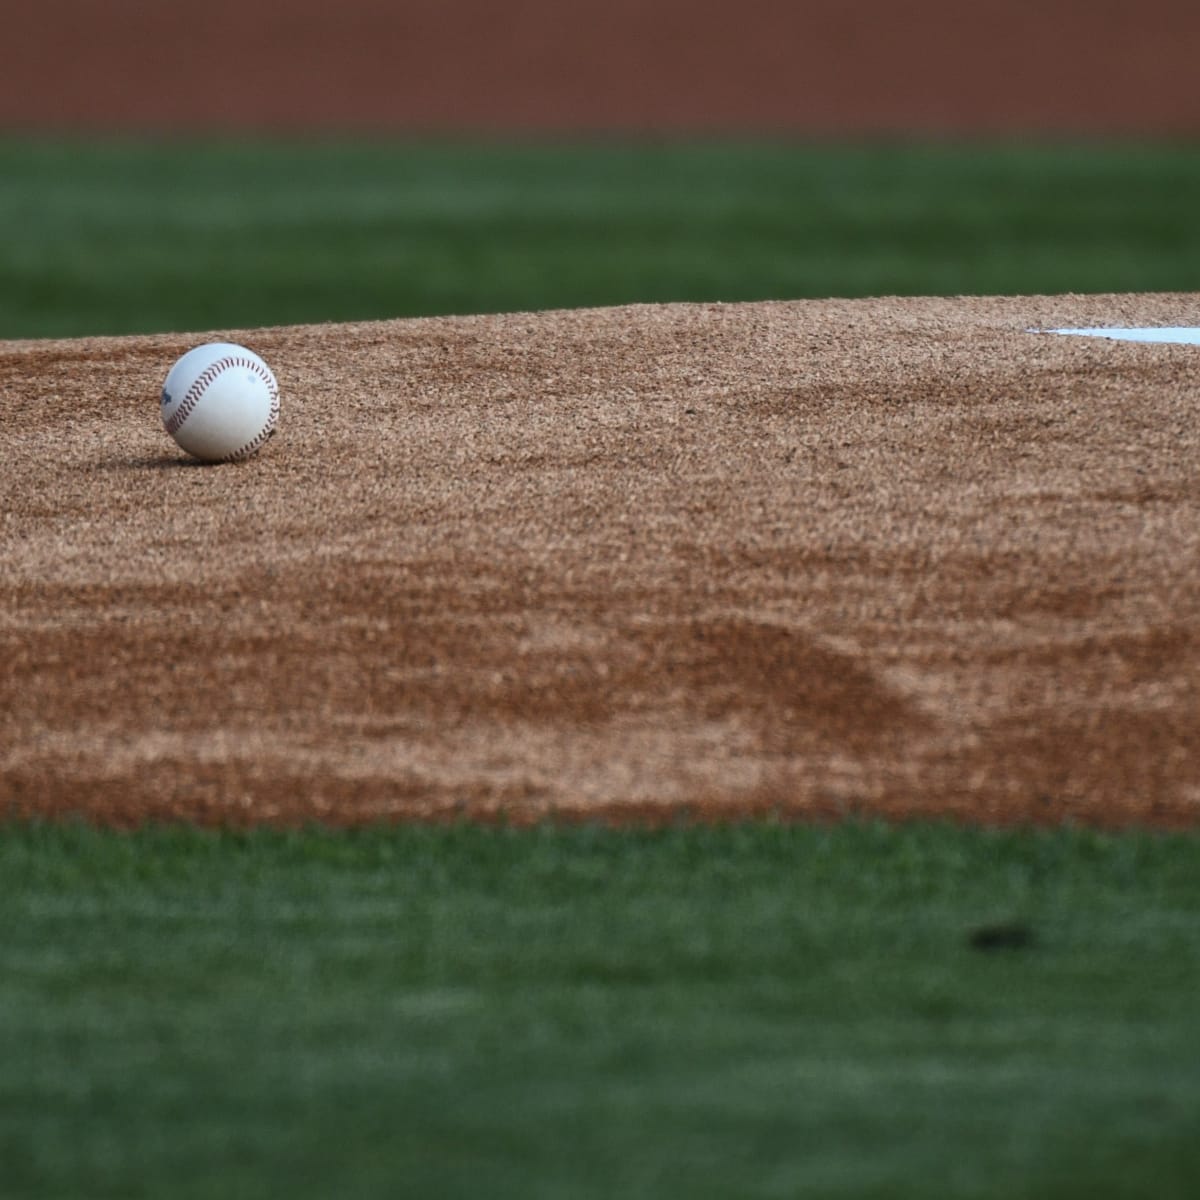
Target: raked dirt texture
895	557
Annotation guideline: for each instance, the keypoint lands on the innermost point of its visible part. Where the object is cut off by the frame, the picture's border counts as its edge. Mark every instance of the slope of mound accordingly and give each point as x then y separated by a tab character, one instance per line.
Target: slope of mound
894	556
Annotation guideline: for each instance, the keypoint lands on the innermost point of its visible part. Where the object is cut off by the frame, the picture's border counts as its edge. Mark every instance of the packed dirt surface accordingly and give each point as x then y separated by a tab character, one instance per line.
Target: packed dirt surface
896	557
793	66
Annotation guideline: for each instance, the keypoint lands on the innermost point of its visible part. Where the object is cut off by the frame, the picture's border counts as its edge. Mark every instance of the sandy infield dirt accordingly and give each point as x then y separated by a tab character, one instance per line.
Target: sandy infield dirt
814	558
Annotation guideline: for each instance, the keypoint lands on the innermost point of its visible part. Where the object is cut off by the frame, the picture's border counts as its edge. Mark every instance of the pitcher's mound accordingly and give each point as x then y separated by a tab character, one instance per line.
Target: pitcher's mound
895	556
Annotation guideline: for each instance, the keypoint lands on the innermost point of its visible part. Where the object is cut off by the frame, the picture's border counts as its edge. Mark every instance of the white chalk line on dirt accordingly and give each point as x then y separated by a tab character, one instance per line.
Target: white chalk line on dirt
1176	335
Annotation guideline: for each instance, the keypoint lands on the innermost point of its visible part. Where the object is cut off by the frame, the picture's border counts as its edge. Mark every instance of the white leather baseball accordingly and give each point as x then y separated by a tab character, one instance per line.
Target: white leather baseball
220	402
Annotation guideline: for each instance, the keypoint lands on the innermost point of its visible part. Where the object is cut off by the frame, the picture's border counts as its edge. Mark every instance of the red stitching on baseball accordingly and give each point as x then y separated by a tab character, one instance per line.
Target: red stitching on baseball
202	383
192	396
264	434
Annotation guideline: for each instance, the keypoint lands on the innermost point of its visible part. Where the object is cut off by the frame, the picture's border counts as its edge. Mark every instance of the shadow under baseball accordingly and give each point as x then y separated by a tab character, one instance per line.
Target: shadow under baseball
162	462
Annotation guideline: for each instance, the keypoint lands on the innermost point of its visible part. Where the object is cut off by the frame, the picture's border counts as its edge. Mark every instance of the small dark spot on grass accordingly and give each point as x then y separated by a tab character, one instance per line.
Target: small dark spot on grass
1003	935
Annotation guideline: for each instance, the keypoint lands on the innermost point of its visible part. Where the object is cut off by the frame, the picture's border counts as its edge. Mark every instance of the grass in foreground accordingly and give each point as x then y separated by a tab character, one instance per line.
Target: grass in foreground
119	237
756	1011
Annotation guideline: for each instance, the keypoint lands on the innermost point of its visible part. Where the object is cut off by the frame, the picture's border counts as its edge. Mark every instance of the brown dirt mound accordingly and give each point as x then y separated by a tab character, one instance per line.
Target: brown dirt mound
894	556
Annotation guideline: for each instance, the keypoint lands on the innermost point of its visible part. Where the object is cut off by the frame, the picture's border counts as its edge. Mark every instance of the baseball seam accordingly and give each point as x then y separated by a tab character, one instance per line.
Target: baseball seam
206	379
266	432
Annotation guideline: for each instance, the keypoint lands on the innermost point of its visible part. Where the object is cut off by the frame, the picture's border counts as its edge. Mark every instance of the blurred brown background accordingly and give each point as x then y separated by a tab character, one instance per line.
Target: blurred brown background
804	66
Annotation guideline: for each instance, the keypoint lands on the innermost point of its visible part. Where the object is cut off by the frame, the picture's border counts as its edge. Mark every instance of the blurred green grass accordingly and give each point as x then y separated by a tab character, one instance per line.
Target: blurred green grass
752	1011
137	236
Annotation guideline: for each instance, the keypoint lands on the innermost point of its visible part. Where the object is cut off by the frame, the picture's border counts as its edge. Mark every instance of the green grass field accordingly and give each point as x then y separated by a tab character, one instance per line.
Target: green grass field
756	1011
117	238
743	1012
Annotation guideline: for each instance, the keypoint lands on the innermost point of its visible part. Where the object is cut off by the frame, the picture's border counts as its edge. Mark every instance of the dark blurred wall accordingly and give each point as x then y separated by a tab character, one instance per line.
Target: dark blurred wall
809	66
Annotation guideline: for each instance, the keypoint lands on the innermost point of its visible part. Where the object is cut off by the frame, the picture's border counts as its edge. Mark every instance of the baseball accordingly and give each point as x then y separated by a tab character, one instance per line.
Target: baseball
220	402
